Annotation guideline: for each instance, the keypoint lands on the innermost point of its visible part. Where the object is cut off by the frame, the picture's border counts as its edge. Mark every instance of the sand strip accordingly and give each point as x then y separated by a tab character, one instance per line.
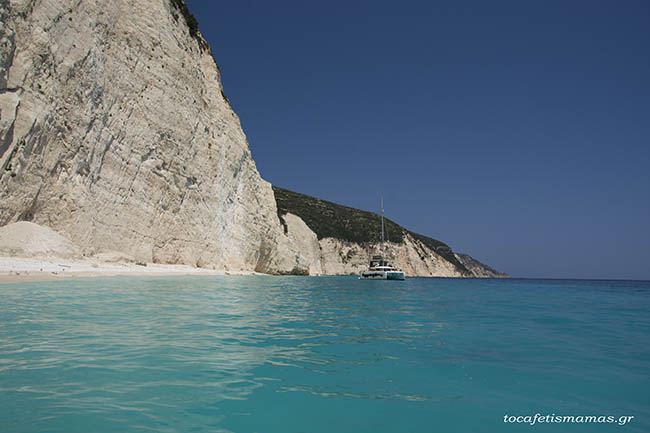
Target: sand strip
17	269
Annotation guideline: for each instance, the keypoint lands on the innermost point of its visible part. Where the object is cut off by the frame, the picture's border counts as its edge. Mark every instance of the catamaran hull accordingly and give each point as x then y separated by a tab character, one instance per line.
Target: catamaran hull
381	275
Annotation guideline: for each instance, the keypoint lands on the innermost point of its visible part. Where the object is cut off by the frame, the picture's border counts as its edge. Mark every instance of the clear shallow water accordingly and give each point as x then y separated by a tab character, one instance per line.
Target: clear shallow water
271	354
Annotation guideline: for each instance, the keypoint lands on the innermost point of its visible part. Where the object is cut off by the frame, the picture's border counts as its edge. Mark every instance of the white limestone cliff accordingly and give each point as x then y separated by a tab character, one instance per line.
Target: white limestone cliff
115	131
305	241
339	257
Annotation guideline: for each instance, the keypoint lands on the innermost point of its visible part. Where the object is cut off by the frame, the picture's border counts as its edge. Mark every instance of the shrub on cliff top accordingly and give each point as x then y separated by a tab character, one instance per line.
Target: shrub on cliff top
190	20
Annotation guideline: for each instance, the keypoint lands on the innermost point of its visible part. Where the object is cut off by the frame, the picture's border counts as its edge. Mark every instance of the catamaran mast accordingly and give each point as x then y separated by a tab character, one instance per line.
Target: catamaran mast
382	227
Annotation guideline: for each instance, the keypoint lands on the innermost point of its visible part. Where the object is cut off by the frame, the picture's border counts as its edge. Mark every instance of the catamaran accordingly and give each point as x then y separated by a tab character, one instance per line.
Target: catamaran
379	268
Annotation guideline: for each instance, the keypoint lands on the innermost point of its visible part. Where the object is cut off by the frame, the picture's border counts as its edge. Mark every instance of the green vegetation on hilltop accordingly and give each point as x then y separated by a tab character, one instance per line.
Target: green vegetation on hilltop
439	247
331	220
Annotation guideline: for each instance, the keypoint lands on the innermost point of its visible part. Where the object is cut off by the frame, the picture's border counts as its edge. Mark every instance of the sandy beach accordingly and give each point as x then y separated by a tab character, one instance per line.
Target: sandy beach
17	269
29	252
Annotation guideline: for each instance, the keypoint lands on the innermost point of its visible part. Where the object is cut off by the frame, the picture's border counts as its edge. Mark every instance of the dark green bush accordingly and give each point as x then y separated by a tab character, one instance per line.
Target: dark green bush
190	20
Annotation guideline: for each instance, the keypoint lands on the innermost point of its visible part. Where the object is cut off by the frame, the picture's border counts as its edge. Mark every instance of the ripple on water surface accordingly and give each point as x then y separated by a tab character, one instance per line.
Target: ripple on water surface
271	354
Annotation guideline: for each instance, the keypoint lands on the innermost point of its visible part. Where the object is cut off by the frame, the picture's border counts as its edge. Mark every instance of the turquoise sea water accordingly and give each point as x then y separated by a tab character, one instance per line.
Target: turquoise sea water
332	354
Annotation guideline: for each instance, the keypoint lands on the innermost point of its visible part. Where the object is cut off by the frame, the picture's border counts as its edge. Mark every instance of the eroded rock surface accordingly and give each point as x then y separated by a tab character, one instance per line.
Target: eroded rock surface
115	131
341	257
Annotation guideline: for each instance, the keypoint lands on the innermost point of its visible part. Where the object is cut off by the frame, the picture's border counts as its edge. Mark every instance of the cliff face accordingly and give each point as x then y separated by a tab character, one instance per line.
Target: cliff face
479	269
340	257
340	240
115	131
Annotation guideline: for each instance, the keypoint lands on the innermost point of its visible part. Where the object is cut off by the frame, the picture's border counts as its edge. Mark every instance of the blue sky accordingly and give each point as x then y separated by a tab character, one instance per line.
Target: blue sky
518	132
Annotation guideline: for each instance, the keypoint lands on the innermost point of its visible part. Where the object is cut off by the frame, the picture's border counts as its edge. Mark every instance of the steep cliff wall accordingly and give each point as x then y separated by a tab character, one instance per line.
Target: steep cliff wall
347	237
115	131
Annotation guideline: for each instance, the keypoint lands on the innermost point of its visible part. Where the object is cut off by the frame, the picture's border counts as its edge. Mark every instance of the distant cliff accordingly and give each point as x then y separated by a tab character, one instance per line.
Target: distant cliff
115	131
338	239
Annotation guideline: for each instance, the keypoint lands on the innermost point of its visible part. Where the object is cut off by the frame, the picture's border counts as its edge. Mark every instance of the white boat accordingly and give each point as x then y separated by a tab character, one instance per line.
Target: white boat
379	268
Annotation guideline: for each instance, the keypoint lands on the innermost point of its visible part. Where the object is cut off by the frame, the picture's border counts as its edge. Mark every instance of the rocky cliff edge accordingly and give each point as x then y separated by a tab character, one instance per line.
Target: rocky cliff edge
115	131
